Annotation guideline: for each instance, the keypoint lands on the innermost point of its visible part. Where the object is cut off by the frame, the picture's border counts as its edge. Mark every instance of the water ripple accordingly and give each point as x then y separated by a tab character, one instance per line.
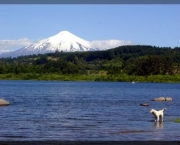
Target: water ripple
43	110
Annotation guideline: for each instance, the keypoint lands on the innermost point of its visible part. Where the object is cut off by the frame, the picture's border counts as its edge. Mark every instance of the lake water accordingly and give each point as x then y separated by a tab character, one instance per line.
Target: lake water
87	111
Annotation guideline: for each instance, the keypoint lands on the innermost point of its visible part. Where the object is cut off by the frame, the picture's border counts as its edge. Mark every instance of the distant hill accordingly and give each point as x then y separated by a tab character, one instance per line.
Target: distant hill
112	64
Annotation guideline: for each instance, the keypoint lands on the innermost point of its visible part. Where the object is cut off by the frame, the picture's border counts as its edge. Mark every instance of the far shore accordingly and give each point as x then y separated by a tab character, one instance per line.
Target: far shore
92	77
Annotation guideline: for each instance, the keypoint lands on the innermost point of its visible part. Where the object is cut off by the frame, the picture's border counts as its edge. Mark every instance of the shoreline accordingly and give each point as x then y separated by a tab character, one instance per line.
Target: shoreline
92	77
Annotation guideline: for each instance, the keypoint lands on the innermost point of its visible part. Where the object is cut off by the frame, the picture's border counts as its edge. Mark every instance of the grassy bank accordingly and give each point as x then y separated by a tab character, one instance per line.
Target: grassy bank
177	120
92	77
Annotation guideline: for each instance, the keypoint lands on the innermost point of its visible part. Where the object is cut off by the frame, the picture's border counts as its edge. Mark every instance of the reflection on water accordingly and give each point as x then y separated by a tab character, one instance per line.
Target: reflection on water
158	125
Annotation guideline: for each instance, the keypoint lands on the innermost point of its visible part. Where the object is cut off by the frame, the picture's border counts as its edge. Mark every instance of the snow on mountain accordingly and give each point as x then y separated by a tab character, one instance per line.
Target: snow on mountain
63	41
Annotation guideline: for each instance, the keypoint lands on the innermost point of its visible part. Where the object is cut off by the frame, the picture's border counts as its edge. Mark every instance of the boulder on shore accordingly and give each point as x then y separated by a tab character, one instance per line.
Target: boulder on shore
3	102
168	99
159	99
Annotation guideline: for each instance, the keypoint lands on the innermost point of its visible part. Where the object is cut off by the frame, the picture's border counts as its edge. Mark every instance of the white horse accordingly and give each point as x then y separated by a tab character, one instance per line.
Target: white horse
158	114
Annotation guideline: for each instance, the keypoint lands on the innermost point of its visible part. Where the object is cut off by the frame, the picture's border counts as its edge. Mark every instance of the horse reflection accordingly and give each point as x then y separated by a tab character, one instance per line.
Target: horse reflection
158	125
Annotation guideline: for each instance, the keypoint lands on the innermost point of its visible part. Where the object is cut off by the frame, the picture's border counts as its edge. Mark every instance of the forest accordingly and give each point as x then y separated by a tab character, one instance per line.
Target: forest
139	63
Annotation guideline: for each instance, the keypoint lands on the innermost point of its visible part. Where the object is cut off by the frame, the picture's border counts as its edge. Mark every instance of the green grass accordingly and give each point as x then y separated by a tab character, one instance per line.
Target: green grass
177	120
91	77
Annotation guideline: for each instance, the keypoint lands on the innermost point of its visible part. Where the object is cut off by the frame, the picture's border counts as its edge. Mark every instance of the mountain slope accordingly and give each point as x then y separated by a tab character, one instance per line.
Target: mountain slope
63	41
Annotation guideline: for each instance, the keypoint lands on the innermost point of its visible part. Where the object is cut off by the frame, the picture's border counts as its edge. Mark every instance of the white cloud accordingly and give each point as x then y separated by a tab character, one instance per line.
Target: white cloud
11	45
106	44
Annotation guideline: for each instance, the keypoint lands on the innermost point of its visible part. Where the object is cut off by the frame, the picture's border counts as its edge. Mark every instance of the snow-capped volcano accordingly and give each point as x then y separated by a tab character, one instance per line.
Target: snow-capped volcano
63	41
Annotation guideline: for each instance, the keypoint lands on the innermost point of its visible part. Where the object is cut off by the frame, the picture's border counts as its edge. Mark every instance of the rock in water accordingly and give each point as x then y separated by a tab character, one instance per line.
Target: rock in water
159	99
144	104
168	99
163	99
3	102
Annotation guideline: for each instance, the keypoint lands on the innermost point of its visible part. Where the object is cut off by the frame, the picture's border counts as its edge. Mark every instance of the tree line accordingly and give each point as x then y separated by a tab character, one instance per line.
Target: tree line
137	60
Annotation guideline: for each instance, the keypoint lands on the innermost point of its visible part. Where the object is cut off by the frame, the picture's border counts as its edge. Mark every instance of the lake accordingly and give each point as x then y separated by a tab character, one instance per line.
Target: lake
87	111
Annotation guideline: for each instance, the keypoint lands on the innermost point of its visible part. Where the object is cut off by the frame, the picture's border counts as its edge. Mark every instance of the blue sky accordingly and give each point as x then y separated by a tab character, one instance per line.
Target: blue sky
154	24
